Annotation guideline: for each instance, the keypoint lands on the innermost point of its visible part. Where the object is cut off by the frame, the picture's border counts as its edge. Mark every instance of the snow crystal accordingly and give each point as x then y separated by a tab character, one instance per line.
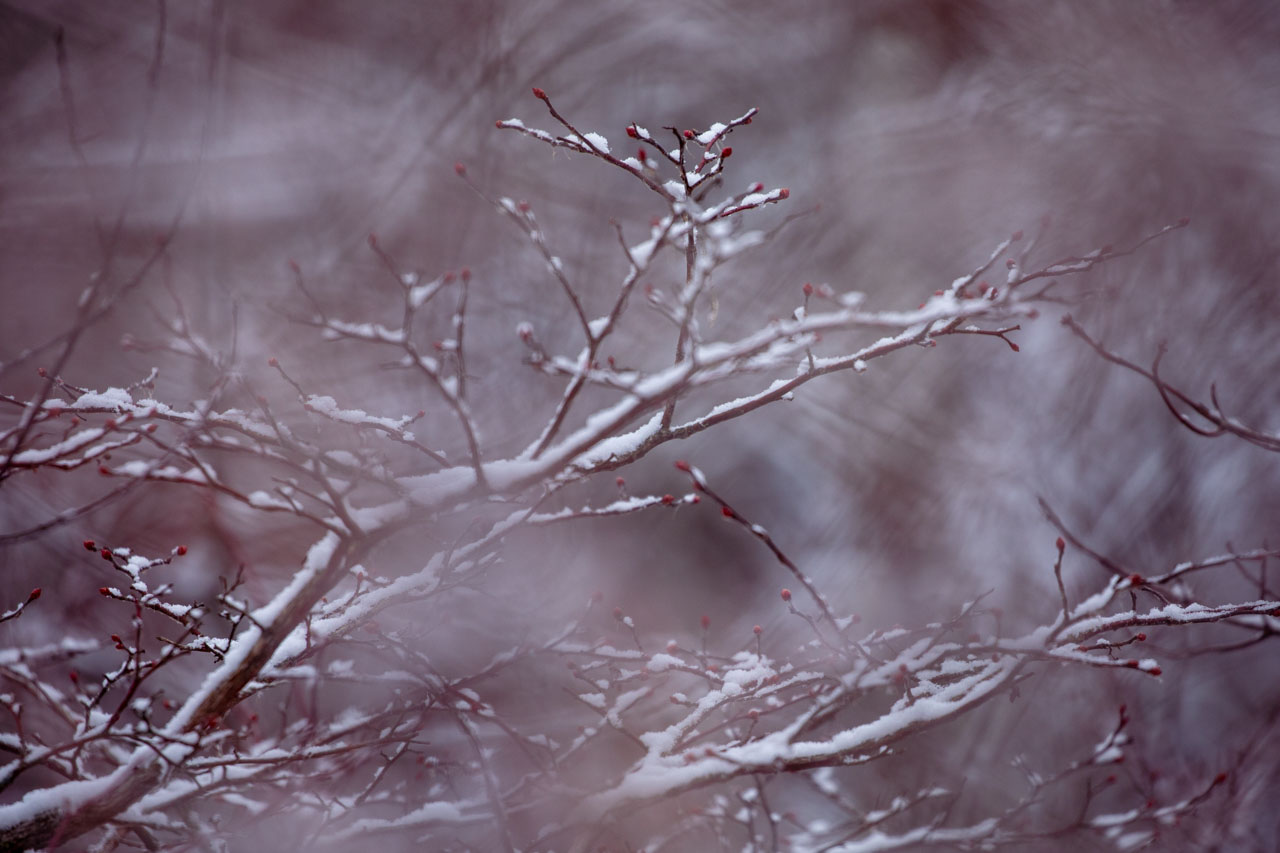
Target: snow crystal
709	135
598	141
113	398
663	662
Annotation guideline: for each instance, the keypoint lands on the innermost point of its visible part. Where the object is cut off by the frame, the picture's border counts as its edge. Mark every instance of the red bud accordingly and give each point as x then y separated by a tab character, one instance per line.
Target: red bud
89	545
182	550
35	593
682	465
757	630
459	168
786	594
539	94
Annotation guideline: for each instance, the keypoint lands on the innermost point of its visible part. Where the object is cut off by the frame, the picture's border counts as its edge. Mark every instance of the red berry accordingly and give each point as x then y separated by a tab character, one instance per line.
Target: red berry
1140	637
182	550
728	151
757	630
1155	670
89	545
106	553
619	482
631	131
539	94
668	500
459	169
688	134
102	590
726	512
786	594
808	289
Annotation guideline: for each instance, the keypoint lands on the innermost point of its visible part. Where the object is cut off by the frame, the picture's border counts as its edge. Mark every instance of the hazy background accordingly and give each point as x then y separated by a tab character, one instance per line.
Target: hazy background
927	132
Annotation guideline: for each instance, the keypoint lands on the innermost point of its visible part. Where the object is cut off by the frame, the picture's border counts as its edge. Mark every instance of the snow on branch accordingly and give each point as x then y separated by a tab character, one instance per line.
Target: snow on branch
323	696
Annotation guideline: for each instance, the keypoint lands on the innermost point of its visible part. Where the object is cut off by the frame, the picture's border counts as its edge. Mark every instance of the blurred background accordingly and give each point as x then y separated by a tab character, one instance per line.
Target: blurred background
920	132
